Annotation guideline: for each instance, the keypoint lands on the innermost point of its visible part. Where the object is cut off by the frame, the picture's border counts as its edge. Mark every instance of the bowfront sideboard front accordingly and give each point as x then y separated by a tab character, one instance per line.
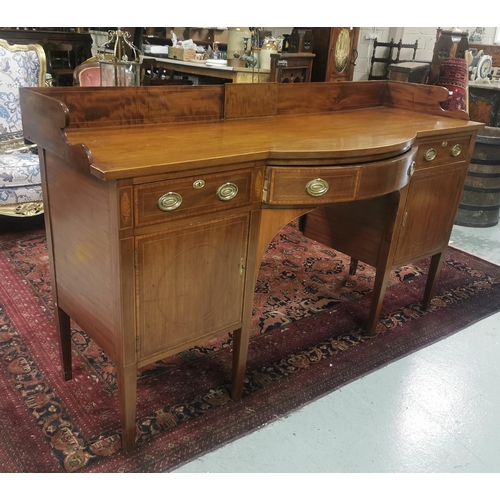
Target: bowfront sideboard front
161	201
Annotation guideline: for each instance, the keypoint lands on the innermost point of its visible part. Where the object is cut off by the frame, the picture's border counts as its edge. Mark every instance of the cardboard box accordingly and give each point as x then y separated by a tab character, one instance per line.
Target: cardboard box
206	36
181	54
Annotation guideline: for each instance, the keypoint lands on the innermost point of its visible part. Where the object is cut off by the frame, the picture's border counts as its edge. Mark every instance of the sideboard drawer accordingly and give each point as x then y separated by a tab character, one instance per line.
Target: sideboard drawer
306	186
326	185
166	200
442	151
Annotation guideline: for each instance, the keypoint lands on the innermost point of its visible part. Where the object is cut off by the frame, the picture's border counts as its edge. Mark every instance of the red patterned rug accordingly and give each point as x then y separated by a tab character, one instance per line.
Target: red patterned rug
307	341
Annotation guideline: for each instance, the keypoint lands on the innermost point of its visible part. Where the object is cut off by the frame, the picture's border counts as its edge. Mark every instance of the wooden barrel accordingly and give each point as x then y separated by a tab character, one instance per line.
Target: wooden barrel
480	201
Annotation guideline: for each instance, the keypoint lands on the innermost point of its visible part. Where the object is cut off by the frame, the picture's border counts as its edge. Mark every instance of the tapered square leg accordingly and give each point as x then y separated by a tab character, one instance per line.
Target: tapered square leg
432	278
379	288
64	332
240	351
127	392
353	266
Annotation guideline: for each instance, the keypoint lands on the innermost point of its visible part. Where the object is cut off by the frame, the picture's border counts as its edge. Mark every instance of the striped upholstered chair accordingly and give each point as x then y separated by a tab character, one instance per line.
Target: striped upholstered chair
20	183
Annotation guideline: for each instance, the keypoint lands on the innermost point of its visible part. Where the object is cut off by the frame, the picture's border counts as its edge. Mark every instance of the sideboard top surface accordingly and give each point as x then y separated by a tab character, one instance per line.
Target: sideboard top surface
205	127
356	134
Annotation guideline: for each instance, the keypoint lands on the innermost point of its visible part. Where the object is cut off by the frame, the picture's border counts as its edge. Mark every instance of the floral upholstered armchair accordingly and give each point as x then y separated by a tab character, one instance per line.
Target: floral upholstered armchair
20	183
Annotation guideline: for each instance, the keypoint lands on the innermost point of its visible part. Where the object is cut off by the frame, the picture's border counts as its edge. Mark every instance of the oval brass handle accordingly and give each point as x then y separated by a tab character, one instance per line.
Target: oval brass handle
317	187
456	150
411	169
227	191
169	201
430	154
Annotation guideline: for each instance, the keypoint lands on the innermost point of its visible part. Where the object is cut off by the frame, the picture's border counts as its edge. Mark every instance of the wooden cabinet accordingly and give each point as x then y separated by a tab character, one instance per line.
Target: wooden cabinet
336	54
291	67
434	189
177	273
161	201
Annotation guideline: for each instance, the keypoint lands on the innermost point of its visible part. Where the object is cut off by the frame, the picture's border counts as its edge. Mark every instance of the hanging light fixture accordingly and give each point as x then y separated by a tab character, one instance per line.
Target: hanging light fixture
120	61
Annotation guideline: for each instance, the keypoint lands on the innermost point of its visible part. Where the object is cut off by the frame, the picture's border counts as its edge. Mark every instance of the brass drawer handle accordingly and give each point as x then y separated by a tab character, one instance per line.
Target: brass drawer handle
227	191
317	187
456	150
169	201
411	169
430	154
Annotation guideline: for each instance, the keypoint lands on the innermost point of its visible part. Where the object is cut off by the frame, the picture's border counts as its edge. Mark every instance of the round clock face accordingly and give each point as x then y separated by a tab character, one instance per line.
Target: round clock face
484	67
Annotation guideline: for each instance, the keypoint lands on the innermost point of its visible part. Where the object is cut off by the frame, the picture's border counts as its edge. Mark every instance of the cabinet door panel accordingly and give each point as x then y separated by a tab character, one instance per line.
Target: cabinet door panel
430	211
190	283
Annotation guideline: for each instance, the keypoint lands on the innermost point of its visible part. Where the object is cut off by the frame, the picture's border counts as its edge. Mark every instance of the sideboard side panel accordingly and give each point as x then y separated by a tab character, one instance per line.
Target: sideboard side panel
83	245
420	98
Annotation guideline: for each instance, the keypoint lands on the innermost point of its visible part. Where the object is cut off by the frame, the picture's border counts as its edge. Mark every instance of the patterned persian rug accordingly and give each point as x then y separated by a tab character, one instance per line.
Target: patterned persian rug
307	340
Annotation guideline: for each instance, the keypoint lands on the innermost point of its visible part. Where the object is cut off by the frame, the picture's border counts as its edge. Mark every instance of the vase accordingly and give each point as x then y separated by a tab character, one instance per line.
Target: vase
268	47
236	45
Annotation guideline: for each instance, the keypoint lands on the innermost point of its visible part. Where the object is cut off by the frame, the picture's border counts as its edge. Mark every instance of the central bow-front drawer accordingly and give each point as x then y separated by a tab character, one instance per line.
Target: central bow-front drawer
323	185
176	198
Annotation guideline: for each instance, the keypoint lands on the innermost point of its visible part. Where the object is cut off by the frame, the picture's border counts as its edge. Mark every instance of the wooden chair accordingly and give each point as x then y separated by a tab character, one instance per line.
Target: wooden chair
60	63
20	181
392	55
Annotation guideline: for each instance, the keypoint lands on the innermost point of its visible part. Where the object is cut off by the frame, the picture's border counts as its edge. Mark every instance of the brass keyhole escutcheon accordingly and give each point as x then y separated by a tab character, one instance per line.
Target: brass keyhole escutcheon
456	150
199	184
411	169
430	154
317	187
227	191
169	201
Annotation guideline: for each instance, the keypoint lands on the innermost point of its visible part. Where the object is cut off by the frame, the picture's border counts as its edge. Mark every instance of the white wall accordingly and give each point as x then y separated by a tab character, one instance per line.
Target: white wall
365	49
426	38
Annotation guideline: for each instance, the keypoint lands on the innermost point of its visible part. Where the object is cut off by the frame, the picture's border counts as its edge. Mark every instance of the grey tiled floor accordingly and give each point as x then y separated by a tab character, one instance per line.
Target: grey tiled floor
434	411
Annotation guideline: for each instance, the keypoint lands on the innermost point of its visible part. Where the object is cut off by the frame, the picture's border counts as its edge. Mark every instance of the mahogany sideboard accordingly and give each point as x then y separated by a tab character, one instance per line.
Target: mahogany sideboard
157	196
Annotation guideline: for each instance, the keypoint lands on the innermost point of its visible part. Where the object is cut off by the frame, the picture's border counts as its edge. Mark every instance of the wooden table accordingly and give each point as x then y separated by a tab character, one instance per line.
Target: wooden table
229	73
156	196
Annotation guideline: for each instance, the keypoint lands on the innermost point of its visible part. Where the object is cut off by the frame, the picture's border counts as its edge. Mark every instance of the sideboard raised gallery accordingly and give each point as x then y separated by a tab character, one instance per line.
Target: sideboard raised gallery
157	196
